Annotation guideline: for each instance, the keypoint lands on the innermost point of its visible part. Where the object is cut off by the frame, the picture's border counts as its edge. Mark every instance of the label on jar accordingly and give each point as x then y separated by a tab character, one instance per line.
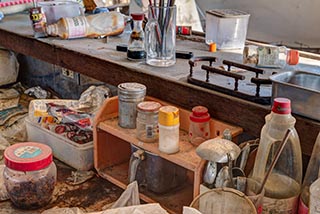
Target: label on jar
77	26
149	131
288	205
268	56
27	152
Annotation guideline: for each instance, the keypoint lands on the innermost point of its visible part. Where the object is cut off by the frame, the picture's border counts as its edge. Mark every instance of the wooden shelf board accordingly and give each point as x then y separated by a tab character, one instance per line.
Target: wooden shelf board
173	201
186	157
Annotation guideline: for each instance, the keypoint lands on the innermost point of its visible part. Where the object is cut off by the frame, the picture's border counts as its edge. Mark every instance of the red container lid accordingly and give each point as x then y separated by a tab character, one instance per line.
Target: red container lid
281	106
199	114
28	156
137	16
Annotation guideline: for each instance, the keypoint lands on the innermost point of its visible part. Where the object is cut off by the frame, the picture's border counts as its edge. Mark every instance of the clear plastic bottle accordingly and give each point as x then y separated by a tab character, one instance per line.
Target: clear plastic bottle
270	56
282	188
136	49
315	197
199	129
311	175
97	25
169	129
30	174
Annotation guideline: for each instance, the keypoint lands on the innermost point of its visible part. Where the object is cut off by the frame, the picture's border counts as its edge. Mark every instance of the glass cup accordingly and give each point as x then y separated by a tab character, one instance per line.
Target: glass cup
160	33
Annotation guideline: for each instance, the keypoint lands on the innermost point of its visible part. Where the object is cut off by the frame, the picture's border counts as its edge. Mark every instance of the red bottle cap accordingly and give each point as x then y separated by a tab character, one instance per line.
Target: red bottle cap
293	57
28	156
281	106
199	114
137	16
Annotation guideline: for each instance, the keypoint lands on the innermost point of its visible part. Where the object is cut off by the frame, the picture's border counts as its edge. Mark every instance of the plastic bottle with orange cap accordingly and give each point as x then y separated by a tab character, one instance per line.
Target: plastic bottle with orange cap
270	56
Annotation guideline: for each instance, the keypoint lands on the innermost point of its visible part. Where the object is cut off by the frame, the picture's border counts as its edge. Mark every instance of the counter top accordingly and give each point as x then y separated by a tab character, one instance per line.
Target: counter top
98	59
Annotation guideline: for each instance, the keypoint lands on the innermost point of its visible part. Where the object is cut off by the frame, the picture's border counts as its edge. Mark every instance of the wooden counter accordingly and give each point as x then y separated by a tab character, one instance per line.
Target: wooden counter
98	59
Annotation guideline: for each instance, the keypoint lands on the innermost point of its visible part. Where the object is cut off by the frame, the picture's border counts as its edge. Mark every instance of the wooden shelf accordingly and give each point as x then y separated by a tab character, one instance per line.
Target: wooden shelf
112	151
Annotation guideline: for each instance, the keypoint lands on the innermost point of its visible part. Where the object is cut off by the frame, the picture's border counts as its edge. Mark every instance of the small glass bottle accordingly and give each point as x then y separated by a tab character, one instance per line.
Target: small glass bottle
30	174
147	121
270	56
169	129
136	49
199	129
283	185
311	175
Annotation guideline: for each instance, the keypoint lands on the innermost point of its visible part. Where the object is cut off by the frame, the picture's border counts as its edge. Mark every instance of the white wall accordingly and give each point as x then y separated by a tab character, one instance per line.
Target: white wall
289	21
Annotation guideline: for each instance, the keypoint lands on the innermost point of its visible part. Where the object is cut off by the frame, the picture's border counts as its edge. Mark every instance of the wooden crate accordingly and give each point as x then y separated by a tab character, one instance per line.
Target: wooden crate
112	151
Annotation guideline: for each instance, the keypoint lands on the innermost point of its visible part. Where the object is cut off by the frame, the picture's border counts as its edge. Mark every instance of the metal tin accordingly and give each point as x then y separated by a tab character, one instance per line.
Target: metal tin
129	95
302	88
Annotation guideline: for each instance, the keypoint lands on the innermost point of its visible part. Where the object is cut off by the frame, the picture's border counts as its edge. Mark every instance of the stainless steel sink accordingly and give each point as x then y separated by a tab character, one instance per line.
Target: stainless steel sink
302	88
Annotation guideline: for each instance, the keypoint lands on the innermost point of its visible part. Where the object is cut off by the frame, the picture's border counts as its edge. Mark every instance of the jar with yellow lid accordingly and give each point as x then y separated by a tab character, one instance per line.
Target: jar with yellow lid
169	129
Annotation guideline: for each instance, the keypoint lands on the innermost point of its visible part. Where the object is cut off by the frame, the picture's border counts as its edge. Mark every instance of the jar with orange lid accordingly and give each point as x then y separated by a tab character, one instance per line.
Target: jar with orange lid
169	129
30	174
199	128
147	121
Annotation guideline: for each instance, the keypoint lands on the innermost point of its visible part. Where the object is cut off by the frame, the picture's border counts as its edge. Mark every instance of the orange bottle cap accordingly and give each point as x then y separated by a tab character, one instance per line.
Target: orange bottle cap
293	57
213	47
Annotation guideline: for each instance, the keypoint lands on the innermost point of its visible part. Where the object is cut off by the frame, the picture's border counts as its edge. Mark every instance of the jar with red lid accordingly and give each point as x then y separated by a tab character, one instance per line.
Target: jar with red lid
199	129
30	174
147	121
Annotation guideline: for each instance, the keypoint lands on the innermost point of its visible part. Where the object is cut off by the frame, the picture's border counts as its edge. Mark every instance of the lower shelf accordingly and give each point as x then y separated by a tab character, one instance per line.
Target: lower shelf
173	202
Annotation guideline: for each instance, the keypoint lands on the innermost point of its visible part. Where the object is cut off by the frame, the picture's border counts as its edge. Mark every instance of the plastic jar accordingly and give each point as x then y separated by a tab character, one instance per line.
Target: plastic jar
129	95
30	174
169	129
199	129
147	121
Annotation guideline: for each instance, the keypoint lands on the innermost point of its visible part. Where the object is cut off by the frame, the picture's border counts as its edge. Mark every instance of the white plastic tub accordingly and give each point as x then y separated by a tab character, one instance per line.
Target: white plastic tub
79	156
227	28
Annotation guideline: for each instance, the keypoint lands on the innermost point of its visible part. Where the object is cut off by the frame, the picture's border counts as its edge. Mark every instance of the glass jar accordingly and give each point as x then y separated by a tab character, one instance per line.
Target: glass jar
147	121
169	129
30	174
129	95
136	49
270	56
199	129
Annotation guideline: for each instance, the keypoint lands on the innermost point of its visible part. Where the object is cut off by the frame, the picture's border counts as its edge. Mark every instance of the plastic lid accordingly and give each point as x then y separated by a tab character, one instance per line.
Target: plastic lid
137	16
199	114
281	106
168	116
293	57
28	156
149	106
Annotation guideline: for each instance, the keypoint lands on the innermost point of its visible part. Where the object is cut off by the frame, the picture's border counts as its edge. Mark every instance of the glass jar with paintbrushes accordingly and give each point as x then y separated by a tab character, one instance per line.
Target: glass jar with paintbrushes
161	34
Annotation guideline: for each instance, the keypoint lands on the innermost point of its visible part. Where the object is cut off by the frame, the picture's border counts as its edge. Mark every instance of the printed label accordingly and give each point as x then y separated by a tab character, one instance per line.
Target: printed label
27	152
268	56
283	206
149	131
77	27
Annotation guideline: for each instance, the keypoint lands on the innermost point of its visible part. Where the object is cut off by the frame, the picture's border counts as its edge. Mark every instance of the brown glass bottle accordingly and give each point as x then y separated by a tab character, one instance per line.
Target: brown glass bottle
136	50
